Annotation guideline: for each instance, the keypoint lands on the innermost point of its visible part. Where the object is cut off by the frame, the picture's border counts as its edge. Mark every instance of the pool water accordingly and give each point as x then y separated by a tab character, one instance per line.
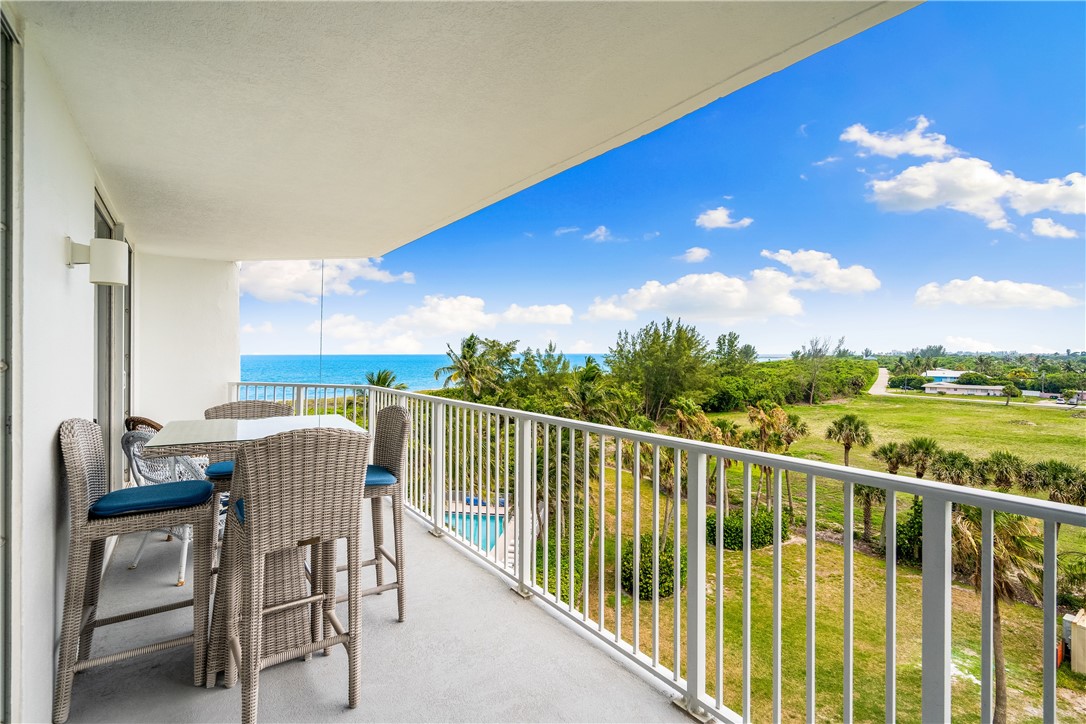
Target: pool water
480	529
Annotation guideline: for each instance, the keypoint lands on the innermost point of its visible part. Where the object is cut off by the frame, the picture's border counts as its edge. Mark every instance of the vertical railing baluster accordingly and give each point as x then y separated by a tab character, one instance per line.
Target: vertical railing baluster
696	469
846	668
558	508
636	635
587	517
1048	600
747	474
890	524
525	471
618	538
676	617
655	555
812	581
572	519
546	507
437	469
719	595
987	543
777	584
935	611
603	533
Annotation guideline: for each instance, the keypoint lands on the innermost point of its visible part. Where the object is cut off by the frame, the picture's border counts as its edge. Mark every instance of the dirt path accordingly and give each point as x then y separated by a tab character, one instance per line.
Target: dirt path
879	387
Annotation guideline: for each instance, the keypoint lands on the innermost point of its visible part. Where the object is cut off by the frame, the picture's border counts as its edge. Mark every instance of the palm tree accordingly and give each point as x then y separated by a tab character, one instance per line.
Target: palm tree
953	467
729	435
768	419
588	397
384	378
867	495
468	368
1064	482
893	456
1016	563
849	430
920	453
1002	468
791	430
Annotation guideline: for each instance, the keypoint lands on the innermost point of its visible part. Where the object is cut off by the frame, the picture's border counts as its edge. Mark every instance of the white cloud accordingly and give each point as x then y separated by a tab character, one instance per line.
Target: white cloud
818	270
914	142
438	318
714	296
561	230
539	314
721	218
1002	294
969	185
601	233
582	346
263	328
1066	195
1039	349
302	280
1052	229
827	161
694	254
650	235
968	344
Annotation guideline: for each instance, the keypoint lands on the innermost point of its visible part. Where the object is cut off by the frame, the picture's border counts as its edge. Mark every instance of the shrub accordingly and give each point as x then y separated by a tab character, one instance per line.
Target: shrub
731	532
910	530
915	382
644	581
974	378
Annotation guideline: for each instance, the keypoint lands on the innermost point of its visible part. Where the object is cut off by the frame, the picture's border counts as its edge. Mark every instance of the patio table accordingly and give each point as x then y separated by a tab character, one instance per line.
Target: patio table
285	578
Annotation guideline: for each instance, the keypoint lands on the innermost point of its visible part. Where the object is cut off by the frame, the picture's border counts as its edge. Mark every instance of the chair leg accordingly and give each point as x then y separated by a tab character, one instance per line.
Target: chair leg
186	541
74	595
139	553
252	606
354	621
316	585
203	534
397	526
91	586
377	520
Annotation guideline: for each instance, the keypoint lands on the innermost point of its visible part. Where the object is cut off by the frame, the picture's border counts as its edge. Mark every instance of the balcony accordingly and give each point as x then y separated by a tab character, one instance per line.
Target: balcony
472	649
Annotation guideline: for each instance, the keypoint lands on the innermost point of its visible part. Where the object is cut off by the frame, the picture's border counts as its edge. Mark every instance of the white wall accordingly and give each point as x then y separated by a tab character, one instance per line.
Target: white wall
53	369
185	335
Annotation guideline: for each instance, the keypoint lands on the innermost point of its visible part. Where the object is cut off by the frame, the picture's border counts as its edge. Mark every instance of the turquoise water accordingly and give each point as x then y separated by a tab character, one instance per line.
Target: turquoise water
471	526
416	370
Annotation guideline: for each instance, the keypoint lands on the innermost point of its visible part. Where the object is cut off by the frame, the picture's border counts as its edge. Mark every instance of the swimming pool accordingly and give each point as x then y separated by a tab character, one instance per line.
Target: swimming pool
481	529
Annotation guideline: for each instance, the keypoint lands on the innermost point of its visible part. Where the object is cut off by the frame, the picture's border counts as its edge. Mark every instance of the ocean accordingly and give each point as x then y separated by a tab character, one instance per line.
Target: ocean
416	370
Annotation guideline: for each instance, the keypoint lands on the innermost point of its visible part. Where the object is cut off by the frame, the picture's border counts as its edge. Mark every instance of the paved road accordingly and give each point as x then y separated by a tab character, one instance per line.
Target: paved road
879	388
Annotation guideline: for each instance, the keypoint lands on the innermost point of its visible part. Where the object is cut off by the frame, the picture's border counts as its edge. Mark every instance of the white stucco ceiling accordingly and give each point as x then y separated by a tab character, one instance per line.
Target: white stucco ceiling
306	130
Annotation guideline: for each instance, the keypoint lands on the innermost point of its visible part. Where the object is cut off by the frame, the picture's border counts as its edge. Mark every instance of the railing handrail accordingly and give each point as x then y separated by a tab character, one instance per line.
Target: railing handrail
977	497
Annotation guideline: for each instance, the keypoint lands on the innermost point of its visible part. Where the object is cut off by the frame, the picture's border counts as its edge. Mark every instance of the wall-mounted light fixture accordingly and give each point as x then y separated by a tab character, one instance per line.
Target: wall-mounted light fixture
108	260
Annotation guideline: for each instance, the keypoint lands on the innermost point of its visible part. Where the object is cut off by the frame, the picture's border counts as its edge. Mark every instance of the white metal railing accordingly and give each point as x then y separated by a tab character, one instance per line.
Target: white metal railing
542	500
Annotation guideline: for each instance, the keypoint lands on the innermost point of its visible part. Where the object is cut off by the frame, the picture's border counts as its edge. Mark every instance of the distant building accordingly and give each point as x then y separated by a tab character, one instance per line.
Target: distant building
941	375
952	388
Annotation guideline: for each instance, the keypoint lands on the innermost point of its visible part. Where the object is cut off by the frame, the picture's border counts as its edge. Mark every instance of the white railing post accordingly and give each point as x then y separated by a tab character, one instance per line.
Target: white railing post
437	466
696	468
936	606
371	408
525	513
299	400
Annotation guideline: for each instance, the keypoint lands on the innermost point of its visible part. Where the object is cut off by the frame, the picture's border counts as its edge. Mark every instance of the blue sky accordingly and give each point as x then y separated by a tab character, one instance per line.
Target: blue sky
921	183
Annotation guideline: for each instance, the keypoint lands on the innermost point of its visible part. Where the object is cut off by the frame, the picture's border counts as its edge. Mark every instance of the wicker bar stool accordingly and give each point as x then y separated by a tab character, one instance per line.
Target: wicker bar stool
97	514
384	479
295	489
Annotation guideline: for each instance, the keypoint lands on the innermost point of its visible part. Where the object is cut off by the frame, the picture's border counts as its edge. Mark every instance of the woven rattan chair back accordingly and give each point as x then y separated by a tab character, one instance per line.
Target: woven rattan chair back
248	410
390	435
84	465
297	488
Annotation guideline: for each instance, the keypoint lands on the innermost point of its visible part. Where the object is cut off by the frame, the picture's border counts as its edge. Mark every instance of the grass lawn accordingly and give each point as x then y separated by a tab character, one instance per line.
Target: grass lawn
1033	433
1023	625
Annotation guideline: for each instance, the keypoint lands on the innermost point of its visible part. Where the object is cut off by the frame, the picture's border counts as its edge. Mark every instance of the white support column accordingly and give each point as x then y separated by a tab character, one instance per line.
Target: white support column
936	605
1048	600
695	585
525	516
437	467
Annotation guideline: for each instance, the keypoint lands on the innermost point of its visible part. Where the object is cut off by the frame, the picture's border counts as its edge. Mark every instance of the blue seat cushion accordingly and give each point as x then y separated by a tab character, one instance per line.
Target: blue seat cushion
149	498
377	475
240	507
218	471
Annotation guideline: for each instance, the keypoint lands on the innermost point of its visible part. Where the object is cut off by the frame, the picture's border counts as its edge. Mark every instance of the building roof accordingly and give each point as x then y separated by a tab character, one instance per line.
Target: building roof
956	386
940	372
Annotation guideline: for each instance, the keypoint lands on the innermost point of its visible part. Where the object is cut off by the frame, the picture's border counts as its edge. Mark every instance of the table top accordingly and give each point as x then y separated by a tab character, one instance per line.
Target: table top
200	432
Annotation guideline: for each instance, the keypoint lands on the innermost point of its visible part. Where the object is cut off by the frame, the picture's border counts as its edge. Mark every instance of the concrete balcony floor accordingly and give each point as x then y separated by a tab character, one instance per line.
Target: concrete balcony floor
470	650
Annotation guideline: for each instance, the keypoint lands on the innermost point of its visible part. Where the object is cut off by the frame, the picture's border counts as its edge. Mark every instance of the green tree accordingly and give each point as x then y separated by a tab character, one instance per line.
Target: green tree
732	358
850	431
793	428
1016	564
468	368
385	378
868	495
1064	482
1071	395
1010	391
589	396
812	358
893	456
662	362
